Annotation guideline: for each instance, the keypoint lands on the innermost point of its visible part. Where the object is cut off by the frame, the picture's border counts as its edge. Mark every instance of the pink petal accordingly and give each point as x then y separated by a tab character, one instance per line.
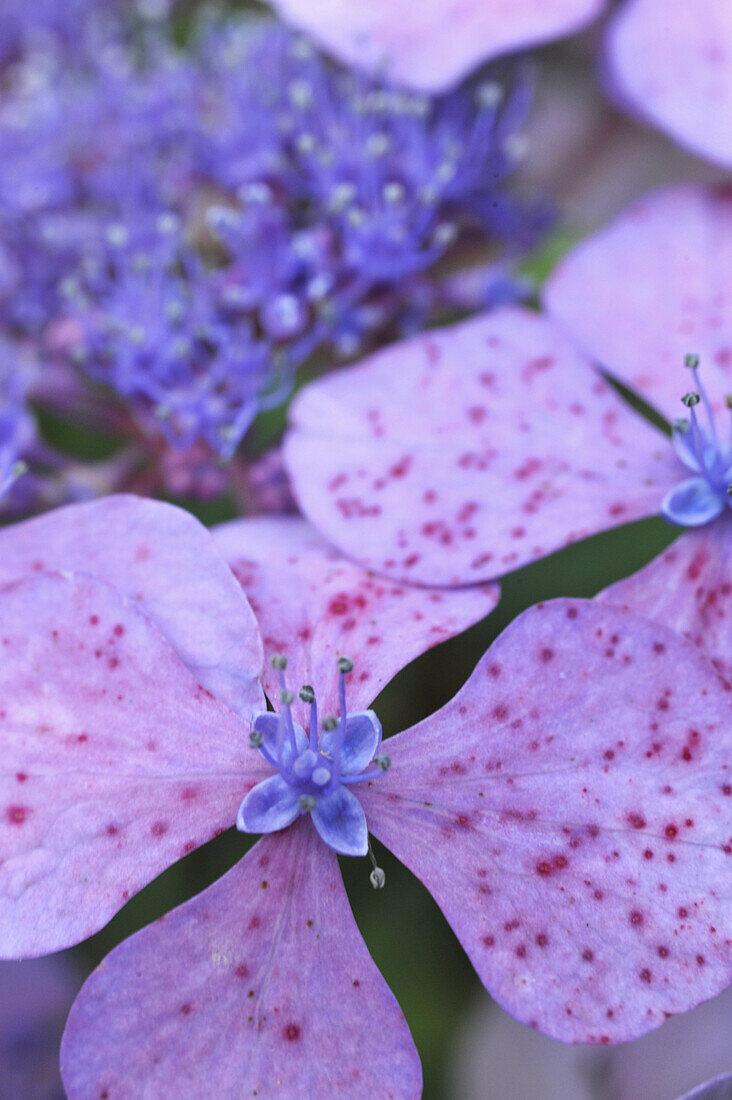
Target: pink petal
467	452
260	986
431	45
163	558
652	286
687	588
570	812
116	762
673	64
313	605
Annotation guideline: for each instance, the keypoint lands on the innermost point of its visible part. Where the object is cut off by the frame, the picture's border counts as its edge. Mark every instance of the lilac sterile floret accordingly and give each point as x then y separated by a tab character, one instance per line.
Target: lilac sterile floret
314	770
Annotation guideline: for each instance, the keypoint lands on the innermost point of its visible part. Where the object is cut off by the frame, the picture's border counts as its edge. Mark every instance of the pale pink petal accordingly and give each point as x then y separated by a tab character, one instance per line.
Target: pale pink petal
570	811
652	286
672	63
314	605
115	761
466	452
431	45
260	986
164	559
689	589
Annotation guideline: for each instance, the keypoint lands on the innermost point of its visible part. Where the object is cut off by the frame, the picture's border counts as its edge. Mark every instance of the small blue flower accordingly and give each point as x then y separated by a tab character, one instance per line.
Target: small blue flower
314	772
699	499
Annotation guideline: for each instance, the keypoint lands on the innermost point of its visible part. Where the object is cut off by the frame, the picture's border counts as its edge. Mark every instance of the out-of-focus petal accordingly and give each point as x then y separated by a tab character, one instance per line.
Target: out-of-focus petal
261	985
672	64
432	45
650	287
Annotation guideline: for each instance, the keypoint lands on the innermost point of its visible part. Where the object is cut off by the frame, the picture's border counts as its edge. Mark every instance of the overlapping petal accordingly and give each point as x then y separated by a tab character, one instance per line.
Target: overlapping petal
570	812
360	742
688	588
467	452
652	286
430	46
692	503
269	725
115	760
270	806
314	605
273	992
673	65
163	559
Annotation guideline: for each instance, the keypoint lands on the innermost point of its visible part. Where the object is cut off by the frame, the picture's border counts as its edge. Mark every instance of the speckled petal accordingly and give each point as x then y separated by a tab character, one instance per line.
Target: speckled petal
431	45
341	822
692	503
236	993
163	559
115	761
270	806
570	812
314	605
650	287
688	588
467	452
360	744
672	64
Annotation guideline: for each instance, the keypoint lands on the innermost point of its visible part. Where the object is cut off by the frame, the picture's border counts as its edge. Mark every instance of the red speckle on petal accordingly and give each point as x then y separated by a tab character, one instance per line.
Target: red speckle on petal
159	828
17	815
636	917
291	1033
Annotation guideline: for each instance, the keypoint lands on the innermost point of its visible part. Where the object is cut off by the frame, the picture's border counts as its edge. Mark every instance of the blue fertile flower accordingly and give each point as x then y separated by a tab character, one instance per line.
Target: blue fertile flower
156	332
701	498
314	772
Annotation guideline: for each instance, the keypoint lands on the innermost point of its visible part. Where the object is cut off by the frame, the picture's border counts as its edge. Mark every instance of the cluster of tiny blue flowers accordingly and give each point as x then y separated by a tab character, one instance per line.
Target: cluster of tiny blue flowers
701	498
313	206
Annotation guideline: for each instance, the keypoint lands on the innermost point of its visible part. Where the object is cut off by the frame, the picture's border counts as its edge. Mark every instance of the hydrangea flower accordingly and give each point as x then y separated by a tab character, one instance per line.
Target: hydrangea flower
545	900
672	66
432	46
568	867
521	447
17	427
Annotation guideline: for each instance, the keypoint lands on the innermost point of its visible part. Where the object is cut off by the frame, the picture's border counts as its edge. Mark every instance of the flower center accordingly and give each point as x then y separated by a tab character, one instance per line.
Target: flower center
315	770
701	498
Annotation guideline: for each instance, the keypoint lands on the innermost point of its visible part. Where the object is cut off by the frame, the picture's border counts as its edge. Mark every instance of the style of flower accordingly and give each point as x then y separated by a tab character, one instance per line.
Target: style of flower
431	47
472	450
